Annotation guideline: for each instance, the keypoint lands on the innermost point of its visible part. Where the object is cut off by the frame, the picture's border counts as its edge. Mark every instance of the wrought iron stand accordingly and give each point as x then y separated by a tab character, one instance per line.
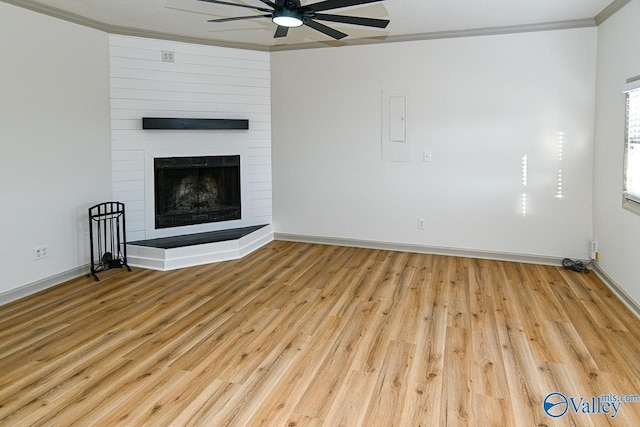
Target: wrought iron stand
107	237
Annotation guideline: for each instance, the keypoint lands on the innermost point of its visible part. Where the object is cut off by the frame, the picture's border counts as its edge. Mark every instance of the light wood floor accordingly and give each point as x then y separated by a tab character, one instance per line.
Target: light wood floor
298	334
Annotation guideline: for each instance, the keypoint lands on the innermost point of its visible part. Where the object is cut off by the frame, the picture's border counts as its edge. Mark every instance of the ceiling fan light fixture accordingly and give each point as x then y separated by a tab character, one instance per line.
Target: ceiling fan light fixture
287	18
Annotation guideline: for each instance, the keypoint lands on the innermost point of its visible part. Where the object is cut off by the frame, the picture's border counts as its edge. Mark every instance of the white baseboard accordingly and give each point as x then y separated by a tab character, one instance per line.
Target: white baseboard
253	242
626	299
41	285
434	250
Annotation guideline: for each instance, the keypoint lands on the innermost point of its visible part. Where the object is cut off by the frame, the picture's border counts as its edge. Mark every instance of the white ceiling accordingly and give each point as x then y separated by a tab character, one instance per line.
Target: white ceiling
187	19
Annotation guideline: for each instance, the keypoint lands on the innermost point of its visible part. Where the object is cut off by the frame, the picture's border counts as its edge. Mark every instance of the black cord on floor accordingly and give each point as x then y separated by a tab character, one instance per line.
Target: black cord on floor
577	265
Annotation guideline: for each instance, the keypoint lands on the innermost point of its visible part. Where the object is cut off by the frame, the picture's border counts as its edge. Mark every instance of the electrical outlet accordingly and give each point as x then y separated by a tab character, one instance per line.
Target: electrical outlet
167	56
426	156
420	223
593	250
40	252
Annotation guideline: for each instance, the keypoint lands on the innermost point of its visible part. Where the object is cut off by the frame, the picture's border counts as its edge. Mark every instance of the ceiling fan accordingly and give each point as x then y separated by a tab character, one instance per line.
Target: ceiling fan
290	13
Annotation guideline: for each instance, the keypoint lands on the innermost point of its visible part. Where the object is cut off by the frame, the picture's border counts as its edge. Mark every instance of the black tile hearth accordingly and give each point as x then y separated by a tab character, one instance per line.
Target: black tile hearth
198	239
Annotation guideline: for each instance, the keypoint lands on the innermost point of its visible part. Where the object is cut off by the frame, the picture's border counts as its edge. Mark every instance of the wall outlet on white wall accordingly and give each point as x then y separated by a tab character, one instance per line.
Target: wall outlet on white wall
40	252
420	223
594	250
168	56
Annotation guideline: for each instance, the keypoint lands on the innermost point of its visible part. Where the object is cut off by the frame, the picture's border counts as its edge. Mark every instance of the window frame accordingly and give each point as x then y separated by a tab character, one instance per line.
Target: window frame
629	202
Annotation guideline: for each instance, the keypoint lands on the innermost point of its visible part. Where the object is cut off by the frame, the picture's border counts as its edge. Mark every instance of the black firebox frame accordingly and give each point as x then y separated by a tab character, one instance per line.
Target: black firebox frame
165	165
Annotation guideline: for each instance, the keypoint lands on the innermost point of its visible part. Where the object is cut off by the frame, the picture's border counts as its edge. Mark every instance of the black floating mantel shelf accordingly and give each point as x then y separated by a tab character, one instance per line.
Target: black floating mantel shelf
171	123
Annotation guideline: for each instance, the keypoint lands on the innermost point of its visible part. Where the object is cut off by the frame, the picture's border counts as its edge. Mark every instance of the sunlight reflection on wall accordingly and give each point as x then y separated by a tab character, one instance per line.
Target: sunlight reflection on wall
525	173
559	193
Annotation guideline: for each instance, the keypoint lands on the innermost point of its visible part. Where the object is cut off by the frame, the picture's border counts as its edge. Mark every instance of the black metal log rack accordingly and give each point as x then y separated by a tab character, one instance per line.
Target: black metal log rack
107	237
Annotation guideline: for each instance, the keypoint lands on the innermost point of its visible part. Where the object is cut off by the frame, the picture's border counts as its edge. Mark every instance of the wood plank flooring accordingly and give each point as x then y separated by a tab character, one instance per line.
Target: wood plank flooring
309	335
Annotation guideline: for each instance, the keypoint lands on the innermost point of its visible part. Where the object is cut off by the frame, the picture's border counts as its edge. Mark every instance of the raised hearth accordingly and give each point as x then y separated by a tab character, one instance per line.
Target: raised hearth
171	253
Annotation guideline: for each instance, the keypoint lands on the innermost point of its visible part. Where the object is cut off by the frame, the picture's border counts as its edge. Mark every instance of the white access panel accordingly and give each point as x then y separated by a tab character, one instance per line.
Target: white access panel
396	145
397	119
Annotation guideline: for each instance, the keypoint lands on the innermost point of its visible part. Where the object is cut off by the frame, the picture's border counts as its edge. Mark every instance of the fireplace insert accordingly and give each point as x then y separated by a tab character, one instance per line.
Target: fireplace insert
196	190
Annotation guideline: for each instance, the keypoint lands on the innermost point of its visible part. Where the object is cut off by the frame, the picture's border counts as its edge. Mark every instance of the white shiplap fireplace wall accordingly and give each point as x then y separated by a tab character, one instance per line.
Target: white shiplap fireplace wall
202	82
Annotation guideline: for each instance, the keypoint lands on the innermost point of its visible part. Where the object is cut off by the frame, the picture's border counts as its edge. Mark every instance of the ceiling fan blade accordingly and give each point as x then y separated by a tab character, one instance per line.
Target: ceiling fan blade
337	4
261	9
281	31
239	18
354	20
269	3
324	29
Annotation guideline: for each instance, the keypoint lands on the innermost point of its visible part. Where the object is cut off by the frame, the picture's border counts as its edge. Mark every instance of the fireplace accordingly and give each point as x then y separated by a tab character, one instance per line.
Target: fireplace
196	190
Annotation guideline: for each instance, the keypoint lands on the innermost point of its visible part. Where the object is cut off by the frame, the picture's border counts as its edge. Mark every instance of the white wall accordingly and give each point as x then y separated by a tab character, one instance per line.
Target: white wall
617	229
478	104
54	142
203	82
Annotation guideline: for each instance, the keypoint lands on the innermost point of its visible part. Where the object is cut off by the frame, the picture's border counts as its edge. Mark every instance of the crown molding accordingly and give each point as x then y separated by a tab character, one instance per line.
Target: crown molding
473	32
126	31
606	13
58	13
610	10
